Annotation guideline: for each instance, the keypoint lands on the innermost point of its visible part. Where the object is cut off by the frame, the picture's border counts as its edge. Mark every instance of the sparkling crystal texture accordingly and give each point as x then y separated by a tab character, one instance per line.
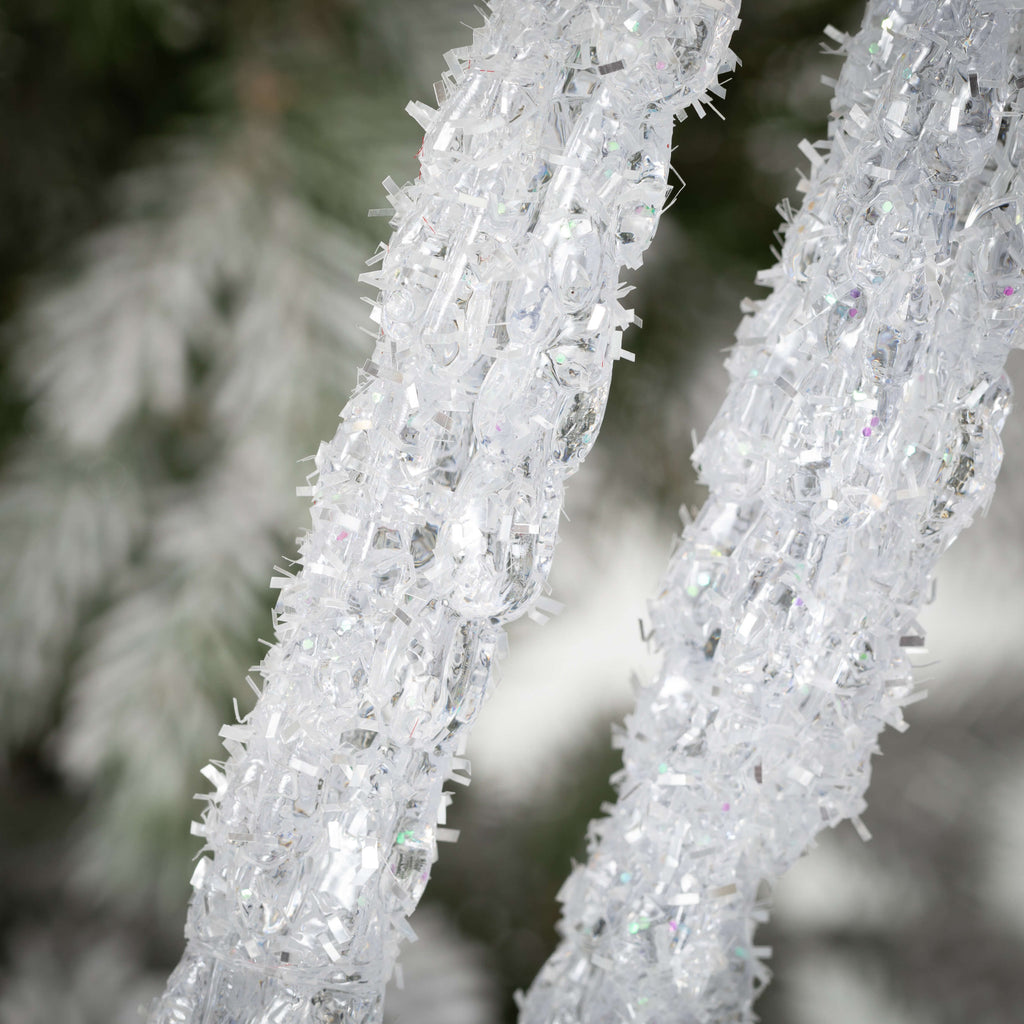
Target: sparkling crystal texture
436	504
859	436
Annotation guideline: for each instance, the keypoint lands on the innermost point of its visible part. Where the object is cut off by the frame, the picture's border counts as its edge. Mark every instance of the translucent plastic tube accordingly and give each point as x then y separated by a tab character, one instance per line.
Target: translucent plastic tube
859	436
436	505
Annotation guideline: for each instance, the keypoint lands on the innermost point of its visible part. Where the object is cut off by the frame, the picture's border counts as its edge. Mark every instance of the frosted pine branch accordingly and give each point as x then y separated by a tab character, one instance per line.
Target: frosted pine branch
177	374
96	351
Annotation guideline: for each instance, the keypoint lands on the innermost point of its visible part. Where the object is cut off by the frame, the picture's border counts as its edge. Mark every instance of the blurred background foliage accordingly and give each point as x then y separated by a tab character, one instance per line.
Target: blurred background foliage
183	197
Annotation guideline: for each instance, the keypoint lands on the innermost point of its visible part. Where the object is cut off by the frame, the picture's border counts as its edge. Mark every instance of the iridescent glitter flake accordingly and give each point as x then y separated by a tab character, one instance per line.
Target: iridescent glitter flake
435	506
859	435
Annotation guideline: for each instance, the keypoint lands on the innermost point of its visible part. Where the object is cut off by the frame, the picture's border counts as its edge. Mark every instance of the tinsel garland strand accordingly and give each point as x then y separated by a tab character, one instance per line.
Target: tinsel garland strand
859	436
436	504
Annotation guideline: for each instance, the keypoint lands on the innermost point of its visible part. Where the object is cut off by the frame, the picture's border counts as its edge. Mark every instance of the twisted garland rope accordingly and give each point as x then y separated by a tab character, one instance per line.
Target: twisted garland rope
859	436
435	506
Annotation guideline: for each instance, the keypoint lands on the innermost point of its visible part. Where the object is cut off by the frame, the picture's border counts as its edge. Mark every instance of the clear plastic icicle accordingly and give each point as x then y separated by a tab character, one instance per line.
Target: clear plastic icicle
859	436
435	506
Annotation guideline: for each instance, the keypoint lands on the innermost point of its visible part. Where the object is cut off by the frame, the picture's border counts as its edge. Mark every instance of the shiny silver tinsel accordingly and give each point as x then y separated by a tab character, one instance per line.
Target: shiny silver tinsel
859	436
435	506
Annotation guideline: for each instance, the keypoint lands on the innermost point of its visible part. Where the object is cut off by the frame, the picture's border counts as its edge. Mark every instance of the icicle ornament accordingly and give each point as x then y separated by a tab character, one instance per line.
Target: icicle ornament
859	435
435	506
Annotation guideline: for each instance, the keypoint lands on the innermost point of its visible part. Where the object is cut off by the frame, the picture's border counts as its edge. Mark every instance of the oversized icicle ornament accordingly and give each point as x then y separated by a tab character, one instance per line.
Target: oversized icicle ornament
435	506
859	435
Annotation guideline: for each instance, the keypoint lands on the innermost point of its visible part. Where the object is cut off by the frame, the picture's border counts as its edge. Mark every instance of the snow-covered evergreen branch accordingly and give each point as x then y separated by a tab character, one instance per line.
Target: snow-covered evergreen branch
176	377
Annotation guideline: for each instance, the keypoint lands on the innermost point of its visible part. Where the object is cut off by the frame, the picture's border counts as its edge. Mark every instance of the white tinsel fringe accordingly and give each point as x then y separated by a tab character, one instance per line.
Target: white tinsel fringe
860	434
436	505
